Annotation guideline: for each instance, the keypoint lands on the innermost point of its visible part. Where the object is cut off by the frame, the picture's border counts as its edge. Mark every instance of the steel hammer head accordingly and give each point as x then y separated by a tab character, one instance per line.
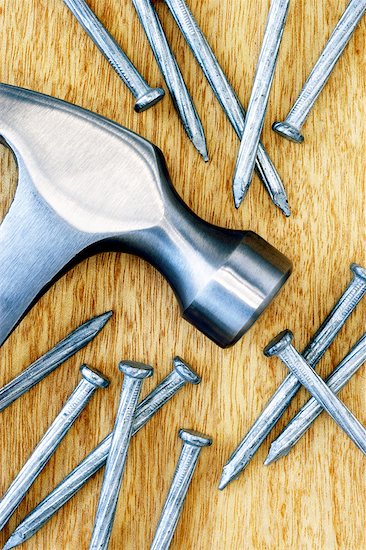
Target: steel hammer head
86	183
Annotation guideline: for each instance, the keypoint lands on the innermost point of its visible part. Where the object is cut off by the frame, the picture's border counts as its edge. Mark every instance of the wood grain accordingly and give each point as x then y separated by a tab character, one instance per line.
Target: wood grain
314	498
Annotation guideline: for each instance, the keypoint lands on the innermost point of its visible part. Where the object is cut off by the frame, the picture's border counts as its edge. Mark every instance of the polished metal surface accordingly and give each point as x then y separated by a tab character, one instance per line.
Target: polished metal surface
281	399
192	446
52	438
281	347
296	428
145	95
226	97
258	101
86	184
134	374
172	75
46	364
168	387
290	128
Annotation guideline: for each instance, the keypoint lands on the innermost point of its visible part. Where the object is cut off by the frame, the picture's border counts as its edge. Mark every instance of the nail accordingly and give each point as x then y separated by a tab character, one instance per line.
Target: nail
172	75
281	399
290	128
46	364
145	95
281	347
226	97
192	445
259	98
91	380
134	374
296	428
181	375
329	329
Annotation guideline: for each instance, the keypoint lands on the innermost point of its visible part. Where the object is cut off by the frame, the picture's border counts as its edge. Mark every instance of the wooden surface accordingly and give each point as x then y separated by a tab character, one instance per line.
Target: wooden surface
314	498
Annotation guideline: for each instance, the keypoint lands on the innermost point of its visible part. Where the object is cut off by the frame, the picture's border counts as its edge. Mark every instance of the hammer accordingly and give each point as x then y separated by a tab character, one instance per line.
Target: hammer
86	184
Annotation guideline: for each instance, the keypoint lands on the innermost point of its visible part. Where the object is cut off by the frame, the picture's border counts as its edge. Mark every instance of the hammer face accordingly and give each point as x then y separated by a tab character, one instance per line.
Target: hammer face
85	180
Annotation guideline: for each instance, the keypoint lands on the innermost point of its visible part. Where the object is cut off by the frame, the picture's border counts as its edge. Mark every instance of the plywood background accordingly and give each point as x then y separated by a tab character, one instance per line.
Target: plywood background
314	498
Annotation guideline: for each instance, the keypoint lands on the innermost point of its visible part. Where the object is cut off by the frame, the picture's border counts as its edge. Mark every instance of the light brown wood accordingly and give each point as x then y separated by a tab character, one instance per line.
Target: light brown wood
314	498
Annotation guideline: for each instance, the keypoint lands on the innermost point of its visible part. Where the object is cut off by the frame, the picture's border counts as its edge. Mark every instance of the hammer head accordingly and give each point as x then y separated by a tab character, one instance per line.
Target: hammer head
86	181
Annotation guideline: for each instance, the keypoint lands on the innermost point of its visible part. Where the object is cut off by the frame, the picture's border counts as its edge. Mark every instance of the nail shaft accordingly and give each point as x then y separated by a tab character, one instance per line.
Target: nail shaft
50	441
290	128
134	374
226	97
145	95
281	399
259	98
172	75
281	347
180	376
297	427
96	459
192	446
46	364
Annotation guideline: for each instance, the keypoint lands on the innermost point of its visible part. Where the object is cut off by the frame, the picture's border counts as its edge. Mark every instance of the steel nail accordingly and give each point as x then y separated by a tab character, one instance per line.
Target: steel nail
91	380
168	387
259	99
281	399
281	347
46	364
329	329
290	128
145	95
300	423
226	97
172	75
134	374
192	446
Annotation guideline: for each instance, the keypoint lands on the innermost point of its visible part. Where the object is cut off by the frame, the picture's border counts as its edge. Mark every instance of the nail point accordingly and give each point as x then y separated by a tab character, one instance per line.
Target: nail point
199	141
98	322
281	201
271	458
274	455
224	481
237	194
200	145
13	541
103	317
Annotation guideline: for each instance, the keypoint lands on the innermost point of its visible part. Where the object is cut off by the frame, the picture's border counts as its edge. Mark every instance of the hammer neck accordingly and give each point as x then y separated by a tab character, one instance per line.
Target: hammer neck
185	249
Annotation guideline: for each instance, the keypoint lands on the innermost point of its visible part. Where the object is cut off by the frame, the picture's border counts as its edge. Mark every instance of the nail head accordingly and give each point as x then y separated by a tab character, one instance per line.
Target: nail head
94	376
358	271
135	370
149	99
279	343
196	439
185	371
288	131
